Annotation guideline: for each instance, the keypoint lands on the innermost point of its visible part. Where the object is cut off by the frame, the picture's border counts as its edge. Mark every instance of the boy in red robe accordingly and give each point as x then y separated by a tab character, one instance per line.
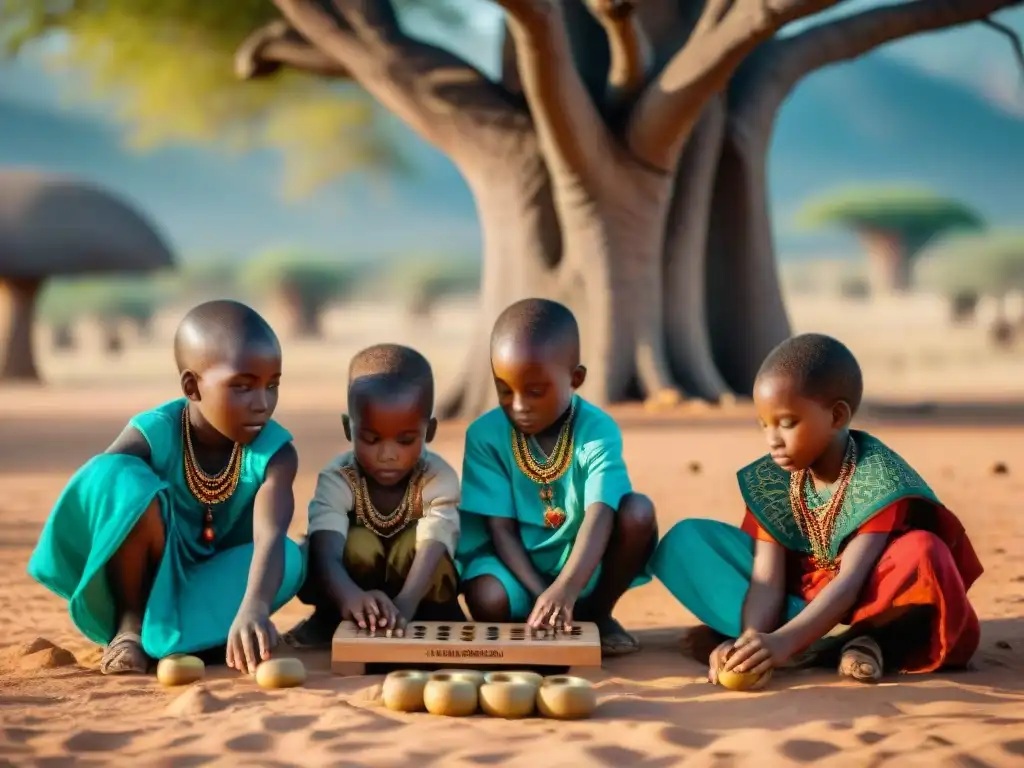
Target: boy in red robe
841	537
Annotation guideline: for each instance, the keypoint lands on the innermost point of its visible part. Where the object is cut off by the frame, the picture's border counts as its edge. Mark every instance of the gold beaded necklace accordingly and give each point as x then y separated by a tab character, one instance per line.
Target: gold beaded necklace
208	489
818	524
546	473
394	522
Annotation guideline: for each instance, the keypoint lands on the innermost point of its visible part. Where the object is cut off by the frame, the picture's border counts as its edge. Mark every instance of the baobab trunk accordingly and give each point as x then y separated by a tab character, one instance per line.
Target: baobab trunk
888	262
521	251
17	315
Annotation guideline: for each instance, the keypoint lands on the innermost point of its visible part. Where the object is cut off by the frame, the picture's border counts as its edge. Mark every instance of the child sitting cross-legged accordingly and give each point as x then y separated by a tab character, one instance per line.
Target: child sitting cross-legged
841	538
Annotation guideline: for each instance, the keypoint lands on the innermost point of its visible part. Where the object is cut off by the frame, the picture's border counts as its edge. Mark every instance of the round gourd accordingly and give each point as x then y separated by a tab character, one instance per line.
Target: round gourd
180	670
566	698
473	675
524	676
403	691
280	673
741	681
450	696
509	699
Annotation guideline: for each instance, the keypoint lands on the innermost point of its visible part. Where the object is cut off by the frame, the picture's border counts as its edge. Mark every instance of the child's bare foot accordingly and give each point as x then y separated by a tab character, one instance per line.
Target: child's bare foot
615	641
124	655
861	659
313	633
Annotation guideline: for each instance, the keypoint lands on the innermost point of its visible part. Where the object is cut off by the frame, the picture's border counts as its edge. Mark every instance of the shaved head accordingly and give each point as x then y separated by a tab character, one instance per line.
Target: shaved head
221	331
389	369
537	325
820	367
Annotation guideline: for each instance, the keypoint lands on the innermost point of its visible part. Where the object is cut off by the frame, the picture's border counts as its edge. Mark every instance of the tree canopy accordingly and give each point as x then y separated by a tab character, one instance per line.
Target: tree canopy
169	67
916	216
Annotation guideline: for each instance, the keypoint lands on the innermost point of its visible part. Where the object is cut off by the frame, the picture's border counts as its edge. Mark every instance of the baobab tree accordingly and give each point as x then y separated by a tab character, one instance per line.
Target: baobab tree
618	164
894	225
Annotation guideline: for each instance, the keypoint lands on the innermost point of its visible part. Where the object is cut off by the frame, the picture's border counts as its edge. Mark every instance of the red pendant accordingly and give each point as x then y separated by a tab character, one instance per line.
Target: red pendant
208	535
553	517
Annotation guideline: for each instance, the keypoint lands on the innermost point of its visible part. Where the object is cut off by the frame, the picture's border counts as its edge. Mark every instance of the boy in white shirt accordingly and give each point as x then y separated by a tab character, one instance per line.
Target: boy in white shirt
384	520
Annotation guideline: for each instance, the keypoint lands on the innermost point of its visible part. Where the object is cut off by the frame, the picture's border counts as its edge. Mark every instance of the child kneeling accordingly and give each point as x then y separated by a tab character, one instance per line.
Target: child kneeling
384	520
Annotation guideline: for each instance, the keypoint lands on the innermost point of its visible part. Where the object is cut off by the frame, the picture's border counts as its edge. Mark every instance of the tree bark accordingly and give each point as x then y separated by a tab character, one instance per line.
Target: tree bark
18	299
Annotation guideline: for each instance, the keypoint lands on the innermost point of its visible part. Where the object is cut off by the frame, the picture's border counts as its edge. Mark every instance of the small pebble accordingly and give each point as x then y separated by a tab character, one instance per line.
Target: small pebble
999	468
694	467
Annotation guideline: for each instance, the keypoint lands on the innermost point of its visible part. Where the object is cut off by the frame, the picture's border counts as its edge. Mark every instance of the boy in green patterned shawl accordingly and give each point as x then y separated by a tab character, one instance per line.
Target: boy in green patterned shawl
841	537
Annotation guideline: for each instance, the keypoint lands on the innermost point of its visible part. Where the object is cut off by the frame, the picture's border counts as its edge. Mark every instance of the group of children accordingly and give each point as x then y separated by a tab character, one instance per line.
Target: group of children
174	540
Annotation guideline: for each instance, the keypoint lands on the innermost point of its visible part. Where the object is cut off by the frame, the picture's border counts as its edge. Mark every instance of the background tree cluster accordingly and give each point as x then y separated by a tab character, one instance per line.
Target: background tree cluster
303	285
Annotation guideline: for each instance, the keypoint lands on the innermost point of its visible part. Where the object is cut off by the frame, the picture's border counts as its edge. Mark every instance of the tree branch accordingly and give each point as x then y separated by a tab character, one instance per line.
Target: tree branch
276	45
724	36
1011	34
573	136
632	55
443	98
852	36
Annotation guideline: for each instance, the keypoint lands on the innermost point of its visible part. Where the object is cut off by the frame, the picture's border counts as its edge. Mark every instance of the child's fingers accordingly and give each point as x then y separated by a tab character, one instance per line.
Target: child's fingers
250	651
567	617
229	657
763	667
739	655
263	641
754	660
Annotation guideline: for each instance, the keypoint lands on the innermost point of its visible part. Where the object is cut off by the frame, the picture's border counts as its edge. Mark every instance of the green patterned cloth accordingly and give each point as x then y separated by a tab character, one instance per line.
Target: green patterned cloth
881	478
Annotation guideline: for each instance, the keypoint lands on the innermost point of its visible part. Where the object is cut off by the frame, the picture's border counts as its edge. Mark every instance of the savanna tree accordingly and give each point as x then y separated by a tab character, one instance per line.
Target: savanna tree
618	164
894	225
987	265
304	287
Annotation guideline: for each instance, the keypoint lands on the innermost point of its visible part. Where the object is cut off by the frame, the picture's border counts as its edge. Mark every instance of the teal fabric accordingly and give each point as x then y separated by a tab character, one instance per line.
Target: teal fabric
494	486
198	586
707	565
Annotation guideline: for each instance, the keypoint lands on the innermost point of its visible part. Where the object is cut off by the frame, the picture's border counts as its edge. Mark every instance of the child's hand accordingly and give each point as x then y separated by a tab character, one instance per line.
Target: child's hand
371	610
757	652
718	658
406	611
250	639
553	608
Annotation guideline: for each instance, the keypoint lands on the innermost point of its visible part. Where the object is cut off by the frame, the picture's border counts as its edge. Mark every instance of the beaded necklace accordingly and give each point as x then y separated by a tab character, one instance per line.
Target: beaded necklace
818	524
547	472
208	489
394	522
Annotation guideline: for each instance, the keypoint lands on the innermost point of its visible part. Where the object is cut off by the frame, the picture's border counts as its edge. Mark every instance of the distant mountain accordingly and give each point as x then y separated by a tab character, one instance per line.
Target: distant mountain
872	121
877	121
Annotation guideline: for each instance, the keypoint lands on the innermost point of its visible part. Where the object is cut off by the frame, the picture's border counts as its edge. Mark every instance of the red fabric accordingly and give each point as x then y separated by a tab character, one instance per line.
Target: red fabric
929	562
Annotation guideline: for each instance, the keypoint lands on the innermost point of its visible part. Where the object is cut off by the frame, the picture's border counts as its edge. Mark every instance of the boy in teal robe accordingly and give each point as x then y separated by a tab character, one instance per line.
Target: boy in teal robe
174	539
551	528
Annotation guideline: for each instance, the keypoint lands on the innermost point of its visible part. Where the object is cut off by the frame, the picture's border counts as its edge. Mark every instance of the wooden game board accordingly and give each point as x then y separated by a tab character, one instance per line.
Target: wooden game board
464	644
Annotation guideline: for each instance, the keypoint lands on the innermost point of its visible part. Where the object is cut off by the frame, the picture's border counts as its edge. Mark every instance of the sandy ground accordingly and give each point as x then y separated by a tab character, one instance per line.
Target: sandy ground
655	709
